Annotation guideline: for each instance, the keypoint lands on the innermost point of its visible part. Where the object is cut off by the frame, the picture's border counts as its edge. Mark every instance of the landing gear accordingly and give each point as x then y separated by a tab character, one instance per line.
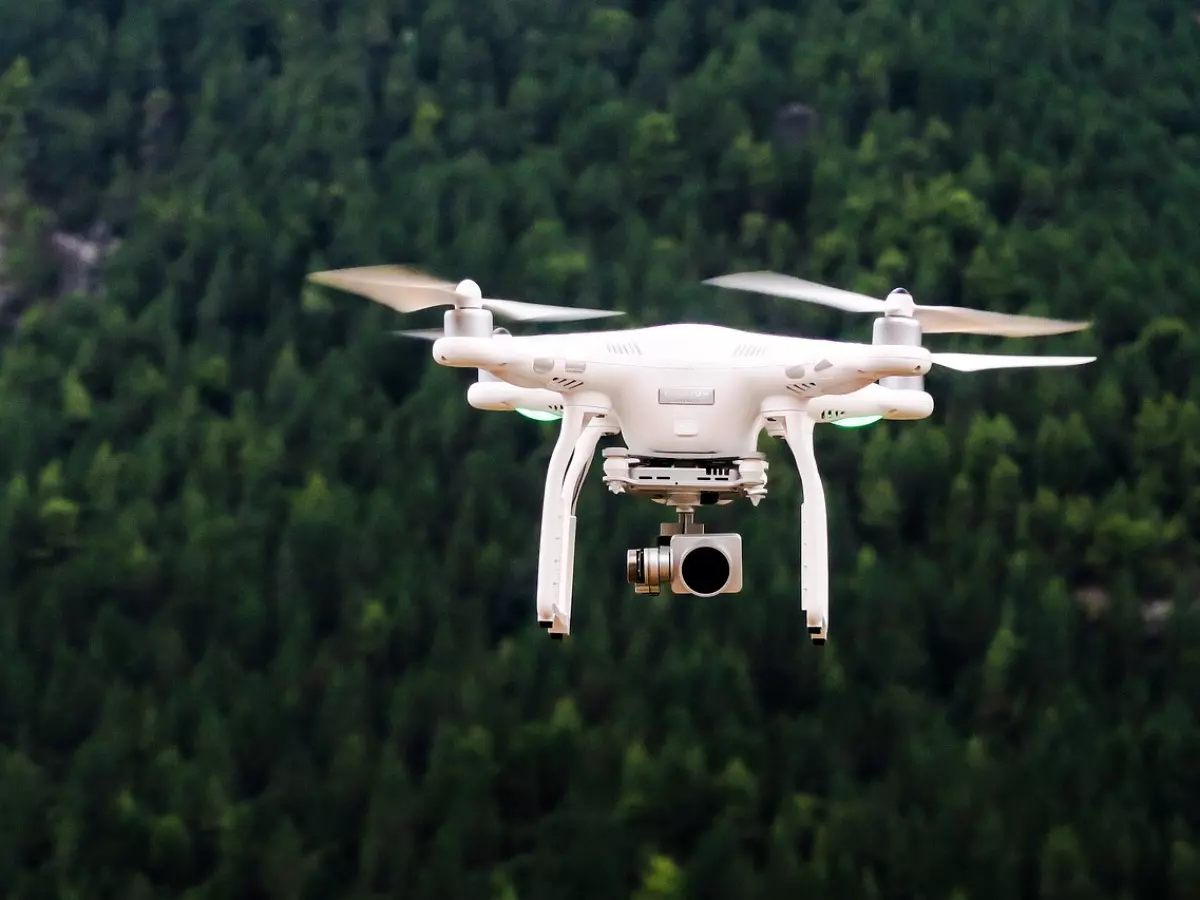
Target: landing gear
685	485
796	428
581	429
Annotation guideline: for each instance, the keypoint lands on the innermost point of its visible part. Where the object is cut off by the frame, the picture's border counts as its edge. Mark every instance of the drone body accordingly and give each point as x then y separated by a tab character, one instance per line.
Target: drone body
682	391
690	402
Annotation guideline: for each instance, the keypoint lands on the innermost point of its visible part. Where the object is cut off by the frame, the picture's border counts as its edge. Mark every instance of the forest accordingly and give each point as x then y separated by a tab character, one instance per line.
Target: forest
267	622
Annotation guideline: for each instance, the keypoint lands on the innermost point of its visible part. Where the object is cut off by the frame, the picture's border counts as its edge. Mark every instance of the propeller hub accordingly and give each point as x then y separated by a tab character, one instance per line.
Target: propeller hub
470	291
899	303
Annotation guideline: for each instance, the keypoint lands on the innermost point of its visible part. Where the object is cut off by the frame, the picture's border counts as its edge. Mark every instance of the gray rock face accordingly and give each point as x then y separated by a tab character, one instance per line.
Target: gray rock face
81	257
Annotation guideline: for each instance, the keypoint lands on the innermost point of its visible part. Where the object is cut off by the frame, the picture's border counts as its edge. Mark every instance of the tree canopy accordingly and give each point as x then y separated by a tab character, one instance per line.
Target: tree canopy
267	618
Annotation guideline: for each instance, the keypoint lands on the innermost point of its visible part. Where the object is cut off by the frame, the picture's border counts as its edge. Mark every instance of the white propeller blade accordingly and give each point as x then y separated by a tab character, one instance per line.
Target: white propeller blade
543	312
404	290
933	319
959	320
797	289
980	362
409	290
425	334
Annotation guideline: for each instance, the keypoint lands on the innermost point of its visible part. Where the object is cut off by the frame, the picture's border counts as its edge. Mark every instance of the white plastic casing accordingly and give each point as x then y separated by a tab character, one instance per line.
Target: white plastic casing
686	391
873	400
500	395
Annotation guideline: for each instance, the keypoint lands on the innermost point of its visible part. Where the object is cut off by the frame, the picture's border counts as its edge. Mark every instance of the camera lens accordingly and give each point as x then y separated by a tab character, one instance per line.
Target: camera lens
705	570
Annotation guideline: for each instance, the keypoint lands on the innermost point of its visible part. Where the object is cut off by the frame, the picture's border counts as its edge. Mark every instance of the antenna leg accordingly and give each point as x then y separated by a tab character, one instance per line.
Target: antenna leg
573	451
581	462
814	537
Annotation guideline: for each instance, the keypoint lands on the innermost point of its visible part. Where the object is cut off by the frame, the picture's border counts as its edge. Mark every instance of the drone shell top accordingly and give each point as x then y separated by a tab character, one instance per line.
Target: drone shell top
683	390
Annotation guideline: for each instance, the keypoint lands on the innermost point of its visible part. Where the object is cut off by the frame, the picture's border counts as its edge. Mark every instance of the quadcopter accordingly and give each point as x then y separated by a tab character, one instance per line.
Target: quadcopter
689	402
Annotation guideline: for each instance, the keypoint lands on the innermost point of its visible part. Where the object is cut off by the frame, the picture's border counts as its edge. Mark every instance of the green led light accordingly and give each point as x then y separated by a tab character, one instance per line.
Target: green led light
539	416
856	421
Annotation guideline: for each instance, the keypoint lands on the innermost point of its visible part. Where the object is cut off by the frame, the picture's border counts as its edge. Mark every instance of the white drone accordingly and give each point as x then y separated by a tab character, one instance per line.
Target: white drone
690	401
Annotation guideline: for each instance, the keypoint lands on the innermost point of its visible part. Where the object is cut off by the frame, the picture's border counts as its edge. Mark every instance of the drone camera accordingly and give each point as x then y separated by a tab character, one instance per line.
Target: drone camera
706	564
648	569
703	565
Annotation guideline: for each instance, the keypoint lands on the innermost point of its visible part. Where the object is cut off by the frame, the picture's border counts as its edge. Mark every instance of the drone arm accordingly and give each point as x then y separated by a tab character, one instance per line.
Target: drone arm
814	540
492	393
503	359
872	400
473	352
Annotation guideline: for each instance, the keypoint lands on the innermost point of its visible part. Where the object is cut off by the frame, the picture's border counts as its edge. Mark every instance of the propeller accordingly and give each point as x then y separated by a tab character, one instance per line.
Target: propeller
408	290
432	334
424	334
932	319
981	362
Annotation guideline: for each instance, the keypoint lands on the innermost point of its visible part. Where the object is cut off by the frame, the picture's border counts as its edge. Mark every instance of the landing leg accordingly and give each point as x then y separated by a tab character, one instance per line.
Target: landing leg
569	462
814	541
553	514
581	460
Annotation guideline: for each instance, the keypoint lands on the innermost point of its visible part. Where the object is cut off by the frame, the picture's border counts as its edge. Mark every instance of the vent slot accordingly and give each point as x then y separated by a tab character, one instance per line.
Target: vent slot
802	388
624	348
749	350
566	384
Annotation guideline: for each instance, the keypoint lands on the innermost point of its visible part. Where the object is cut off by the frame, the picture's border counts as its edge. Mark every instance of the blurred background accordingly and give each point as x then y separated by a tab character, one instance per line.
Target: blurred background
267	623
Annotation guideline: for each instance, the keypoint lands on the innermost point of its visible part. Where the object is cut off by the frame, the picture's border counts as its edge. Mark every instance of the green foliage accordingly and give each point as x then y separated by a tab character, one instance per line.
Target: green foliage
266	625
